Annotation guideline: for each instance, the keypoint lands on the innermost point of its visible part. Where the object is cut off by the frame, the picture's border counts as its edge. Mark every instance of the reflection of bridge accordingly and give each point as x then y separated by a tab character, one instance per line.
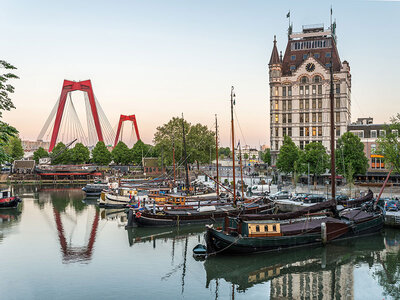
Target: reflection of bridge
76	254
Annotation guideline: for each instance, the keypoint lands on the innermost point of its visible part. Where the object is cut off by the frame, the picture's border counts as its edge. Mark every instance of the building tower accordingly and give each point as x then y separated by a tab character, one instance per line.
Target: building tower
300	87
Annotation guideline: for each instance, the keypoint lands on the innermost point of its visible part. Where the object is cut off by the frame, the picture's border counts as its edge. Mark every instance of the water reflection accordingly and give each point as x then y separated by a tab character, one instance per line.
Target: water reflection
8	219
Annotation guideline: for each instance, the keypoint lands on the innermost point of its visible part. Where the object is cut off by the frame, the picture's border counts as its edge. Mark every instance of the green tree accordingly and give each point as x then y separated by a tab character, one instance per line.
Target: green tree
199	141
226	152
6	131
79	154
389	144
246	156
101	155
288	155
121	154
14	149
60	155
40	153
315	154
350	156
140	150
266	156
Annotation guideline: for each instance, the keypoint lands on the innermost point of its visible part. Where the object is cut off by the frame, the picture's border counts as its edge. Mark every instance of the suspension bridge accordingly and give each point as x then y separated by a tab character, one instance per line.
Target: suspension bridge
64	125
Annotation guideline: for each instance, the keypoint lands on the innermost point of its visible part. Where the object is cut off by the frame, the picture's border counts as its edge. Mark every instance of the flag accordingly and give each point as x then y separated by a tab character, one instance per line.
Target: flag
288	14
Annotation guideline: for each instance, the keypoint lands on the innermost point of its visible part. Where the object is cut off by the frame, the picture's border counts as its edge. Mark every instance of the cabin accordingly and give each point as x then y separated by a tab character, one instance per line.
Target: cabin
5	194
262	229
23	166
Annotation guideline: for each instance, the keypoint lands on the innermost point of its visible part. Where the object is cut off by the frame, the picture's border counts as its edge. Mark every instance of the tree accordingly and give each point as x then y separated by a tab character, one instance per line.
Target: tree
60	155
79	154
40	153
200	141
389	144
101	155
315	155
350	156
6	131
246	156
226	152
138	151
14	149
121	154
288	155
266	156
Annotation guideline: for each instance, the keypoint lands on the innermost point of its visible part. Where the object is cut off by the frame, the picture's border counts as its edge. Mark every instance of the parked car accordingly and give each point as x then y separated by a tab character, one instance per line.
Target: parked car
392	205
281	195
299	197
314	198
342	197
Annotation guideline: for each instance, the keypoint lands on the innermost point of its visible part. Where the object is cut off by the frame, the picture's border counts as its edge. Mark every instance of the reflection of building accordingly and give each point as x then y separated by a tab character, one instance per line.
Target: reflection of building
325	284
300	89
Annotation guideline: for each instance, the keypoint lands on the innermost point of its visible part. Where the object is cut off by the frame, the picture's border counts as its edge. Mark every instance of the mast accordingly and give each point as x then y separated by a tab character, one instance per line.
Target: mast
173	157
185	153
241	169
233	146
332	115
216	151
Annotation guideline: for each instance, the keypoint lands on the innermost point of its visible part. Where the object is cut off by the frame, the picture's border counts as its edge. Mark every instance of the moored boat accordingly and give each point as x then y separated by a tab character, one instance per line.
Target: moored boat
7	201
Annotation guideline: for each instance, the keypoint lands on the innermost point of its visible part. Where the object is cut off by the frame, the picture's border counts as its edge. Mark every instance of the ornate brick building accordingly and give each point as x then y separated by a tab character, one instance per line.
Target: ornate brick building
300	86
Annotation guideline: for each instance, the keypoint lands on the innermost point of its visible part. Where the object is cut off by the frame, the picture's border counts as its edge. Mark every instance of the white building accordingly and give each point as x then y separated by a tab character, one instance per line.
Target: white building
300	87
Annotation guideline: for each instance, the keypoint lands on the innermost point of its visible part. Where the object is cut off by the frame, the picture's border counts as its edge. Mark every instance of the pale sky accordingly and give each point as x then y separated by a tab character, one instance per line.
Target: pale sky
157	59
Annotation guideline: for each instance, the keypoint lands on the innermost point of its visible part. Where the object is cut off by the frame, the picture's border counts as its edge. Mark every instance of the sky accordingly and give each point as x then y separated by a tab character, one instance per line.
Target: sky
159	59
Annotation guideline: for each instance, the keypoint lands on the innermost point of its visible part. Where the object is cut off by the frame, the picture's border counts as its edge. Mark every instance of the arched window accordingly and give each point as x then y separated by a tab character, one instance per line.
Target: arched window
273	227
266	228
257	228
317	79
304	79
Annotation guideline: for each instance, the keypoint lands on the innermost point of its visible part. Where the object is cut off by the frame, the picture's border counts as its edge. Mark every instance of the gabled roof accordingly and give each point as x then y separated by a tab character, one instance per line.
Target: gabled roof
274	55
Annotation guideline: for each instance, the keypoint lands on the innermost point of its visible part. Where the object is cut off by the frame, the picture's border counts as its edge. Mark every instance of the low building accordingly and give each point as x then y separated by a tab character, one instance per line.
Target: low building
23	166
31	146
151	167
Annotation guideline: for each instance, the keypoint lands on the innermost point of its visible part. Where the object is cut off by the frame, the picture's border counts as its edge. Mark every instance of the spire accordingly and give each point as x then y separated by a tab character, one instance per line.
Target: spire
274	56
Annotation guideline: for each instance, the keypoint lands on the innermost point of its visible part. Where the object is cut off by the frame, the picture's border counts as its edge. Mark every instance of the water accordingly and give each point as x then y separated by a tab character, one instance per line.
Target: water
61	247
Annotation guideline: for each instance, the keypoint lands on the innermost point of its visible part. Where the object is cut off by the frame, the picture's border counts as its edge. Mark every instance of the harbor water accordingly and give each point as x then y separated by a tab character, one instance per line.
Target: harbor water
62	246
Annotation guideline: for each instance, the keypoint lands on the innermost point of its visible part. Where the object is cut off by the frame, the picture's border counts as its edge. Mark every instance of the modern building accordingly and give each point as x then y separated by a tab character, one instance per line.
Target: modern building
300	89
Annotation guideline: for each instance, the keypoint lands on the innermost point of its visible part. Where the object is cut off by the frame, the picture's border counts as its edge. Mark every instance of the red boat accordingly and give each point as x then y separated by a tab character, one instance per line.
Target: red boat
7	201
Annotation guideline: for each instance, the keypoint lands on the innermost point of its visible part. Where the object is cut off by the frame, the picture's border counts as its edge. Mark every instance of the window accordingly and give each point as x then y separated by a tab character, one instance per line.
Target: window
320	131
284	91
276	91
283	131
301	90
301	118
337	117
289	131
314	131
307	104
359	133
276	145
316	55
314	117
317	79
276	104
382	132
337	102
314	89
276	118
301	131
266	228
292	67
306	88
257	228
338	88
373	148
293	57
289	118
283	105
395	132
307	118
289	91
301	103
314	103
276	131
327	54
304	79
301	145
320	89
307	131
319	117
319	103
305	56
284	118
289	102
373	134
338	132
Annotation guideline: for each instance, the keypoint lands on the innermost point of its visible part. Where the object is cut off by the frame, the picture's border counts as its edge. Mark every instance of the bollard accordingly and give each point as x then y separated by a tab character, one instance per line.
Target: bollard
323	233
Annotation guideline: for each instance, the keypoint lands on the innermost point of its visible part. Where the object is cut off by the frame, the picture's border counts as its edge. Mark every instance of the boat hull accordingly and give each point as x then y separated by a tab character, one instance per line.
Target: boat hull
219	242
8	203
